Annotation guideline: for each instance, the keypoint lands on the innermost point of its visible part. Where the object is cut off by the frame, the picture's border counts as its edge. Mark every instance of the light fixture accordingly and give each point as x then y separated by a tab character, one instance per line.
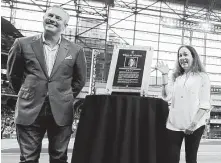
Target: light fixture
206	26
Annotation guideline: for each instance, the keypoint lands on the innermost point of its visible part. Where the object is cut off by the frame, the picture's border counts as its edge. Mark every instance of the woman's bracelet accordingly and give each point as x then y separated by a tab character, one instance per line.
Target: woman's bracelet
164	84
165	74
193	124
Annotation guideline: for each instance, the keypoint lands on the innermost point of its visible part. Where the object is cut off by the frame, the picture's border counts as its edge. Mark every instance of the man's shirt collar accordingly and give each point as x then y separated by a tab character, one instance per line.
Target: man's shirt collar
44	41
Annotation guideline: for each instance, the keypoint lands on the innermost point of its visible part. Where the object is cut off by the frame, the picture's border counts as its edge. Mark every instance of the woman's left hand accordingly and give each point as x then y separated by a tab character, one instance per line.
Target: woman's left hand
191	128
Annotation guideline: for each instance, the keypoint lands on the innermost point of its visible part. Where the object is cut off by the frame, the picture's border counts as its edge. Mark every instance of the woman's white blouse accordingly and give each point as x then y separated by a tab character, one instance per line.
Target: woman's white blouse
187	94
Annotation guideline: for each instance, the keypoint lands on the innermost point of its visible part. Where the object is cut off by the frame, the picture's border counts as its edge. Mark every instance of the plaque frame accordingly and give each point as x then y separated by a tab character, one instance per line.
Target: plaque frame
143	89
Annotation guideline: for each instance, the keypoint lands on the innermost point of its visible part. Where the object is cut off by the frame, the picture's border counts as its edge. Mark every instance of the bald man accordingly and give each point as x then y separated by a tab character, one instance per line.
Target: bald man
47	71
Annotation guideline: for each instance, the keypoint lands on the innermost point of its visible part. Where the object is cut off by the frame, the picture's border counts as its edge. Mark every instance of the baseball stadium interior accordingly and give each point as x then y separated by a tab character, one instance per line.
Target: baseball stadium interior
163	24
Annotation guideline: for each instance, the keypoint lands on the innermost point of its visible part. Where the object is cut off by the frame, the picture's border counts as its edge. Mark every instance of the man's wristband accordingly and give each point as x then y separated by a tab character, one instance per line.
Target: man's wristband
165	74
164	84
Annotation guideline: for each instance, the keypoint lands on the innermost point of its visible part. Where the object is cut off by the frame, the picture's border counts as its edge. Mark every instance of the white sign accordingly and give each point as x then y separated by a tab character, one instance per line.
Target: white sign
216	121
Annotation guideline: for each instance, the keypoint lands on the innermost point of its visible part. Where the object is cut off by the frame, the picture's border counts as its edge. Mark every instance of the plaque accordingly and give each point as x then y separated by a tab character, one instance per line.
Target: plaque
130	69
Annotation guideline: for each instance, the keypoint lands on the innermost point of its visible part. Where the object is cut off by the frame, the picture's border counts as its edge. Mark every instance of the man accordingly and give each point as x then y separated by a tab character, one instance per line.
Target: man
47	71
132	62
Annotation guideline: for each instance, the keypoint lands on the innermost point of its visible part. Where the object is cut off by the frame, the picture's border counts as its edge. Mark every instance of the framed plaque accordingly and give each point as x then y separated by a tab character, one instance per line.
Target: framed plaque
130	69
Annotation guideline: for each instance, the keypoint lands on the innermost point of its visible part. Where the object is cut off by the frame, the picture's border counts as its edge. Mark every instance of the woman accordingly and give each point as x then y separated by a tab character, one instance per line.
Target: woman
188	91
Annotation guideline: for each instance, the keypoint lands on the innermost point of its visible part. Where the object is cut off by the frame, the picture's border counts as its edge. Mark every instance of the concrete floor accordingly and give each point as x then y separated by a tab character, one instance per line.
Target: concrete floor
209	151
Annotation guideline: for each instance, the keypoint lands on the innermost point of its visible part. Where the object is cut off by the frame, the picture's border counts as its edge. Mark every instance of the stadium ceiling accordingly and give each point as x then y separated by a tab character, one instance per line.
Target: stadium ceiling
201	3
212	4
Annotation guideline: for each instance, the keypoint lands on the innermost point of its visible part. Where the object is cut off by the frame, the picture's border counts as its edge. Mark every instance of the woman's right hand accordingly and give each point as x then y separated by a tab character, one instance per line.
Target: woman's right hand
163	68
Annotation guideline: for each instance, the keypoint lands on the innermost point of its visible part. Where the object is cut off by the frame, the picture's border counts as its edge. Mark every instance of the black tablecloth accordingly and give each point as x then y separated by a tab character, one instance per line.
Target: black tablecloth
121	129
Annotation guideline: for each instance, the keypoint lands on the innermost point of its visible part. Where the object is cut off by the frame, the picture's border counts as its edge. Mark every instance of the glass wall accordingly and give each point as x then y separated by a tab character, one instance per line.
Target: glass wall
164	26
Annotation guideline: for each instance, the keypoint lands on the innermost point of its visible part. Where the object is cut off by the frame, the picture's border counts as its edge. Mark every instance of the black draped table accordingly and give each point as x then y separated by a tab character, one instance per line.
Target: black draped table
121	129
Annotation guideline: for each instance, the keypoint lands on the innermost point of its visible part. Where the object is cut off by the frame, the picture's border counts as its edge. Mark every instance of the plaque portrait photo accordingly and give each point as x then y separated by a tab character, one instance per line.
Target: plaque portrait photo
131	62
